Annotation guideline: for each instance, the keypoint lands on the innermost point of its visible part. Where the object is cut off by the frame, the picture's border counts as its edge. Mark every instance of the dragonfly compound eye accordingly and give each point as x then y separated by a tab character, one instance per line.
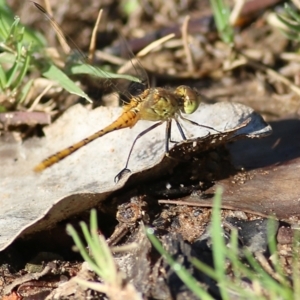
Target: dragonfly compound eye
191	99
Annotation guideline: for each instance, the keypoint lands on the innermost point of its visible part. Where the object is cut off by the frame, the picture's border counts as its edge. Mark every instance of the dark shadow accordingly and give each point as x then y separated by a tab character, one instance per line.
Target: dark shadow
280	147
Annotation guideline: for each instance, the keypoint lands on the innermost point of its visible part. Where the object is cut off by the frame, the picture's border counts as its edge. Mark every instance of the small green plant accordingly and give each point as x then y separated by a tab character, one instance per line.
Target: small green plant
130	6
261	285
181	272
244	277
15	61
221	13
19	48
292	22
76	66
24	51
101	261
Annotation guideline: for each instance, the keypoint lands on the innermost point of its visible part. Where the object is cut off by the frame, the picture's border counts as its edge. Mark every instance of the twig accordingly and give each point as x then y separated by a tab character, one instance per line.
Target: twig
155	44
188	54
145	51
116	60
297	3
236	11
94	38
26	278
48	7
60	35
39	97
199	204
272	74
266	266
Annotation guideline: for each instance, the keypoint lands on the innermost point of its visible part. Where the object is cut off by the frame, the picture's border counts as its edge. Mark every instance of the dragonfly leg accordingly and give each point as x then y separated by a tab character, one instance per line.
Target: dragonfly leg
168	133
180	130
201	125
125	169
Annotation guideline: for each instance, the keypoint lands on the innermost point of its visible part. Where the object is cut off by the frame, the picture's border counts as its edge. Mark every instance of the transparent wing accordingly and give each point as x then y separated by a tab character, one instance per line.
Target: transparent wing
131	80
134	68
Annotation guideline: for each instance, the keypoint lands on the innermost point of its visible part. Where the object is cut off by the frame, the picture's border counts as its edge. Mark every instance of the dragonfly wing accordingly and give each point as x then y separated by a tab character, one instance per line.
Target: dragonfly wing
133	67
135	82
107	80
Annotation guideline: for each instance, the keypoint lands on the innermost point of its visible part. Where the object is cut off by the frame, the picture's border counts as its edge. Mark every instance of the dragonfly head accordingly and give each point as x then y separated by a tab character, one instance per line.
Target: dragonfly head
189	97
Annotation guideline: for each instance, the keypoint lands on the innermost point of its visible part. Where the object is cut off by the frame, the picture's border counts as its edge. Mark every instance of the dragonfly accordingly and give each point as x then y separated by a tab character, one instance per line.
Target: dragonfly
160	105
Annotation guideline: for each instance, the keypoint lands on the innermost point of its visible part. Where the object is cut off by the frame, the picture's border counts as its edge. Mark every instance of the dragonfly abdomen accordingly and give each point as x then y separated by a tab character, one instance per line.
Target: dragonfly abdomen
127	119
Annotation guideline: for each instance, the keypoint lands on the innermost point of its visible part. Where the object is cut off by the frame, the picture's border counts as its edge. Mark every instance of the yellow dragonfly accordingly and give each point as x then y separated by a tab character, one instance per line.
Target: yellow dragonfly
159	105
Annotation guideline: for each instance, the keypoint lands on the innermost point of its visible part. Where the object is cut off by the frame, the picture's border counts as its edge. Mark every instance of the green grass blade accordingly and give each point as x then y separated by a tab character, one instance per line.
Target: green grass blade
289	24
266	281
11	73
23	69
25	90
100	258
83	252
181	272
204	268
101	252
292	12
3	79
219	248
3	28
6	57
221	13
97	72
7	18
100	242
55	74
10	38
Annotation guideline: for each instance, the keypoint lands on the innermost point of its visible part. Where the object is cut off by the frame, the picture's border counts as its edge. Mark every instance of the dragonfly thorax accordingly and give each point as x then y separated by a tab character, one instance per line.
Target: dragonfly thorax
158	104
